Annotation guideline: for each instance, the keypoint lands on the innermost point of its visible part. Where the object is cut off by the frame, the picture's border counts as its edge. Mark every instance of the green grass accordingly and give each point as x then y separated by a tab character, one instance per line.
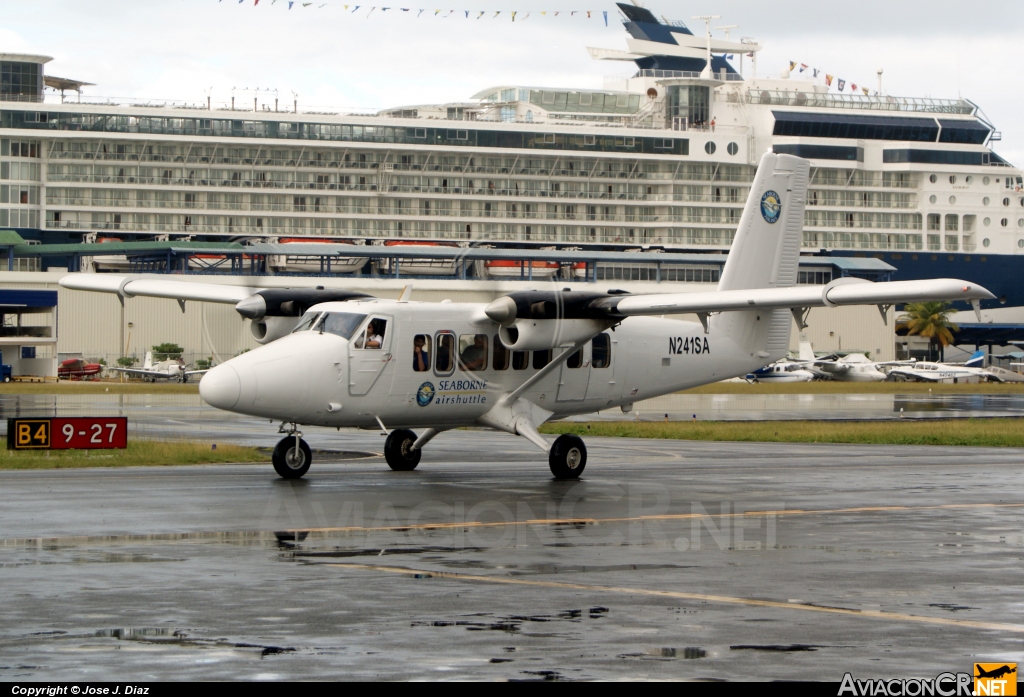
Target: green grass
1007	432
829	387
140	453
98	387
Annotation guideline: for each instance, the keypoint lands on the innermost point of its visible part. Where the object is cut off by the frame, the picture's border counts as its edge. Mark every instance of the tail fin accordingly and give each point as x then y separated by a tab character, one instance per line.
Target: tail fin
977	360
766	252
806	350
149	360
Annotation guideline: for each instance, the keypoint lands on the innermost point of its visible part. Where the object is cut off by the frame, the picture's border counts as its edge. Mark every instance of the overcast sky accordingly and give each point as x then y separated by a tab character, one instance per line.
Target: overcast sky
335	59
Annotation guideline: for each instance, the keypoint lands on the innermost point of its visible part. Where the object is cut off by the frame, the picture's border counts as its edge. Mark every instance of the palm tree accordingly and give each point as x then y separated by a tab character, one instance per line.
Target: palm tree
930	321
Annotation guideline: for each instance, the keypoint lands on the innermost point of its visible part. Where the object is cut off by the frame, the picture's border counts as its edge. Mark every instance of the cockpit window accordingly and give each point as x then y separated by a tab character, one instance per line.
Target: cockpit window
342	323
307	321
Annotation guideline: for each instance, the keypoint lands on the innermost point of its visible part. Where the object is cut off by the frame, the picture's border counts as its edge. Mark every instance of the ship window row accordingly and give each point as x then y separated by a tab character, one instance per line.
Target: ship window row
935	157
16	218
820	152
861	240
60	121
20	148
434	162
85	174
20	194
886	221
20	78
859	127
19	171
880	128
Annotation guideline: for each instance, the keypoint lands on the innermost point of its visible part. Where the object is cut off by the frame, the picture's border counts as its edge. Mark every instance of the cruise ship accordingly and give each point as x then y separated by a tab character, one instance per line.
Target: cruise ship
660	161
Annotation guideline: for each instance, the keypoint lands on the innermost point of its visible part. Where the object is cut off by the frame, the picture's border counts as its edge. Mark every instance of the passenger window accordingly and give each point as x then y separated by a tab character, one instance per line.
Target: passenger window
520	360
575	360
541	359
373	336
444	362
473	352
421	353
501	355
602	351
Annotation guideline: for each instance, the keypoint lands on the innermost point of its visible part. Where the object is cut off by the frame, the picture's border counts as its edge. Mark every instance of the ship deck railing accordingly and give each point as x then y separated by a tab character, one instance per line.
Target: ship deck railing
884	102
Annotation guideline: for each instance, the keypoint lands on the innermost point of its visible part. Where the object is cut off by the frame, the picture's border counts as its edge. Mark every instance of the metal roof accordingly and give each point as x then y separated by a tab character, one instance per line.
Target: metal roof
414	251
22	249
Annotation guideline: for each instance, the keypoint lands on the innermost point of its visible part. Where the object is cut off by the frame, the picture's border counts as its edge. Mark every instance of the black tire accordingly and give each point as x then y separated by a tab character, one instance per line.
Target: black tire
398	451
568	457
7	378
286	458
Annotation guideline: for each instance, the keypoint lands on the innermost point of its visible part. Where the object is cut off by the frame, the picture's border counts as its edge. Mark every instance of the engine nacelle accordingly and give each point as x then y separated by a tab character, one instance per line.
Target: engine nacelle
272	328
541	334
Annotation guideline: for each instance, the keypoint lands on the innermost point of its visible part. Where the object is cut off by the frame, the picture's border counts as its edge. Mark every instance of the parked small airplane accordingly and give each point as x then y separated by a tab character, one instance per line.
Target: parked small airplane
935	372
170	369
853	367
782	371
333	357
78	369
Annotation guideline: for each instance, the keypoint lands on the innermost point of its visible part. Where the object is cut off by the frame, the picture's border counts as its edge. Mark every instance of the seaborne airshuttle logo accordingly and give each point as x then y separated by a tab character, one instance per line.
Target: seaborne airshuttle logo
425	395
771	206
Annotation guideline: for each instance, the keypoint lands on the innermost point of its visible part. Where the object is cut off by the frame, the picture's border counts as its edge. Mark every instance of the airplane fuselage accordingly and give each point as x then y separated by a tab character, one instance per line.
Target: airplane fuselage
342	377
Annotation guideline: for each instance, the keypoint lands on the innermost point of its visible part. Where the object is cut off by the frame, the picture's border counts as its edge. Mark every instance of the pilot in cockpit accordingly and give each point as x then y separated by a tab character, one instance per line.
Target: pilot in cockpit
373	337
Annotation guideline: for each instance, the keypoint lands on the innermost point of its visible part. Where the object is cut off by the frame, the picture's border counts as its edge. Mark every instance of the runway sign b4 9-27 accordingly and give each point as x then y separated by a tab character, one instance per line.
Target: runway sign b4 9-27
58	433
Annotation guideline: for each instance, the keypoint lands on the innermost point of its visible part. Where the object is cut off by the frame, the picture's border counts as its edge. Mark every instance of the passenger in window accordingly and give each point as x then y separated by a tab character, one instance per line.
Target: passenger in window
445	349
421	353
473	356
501	355
602	351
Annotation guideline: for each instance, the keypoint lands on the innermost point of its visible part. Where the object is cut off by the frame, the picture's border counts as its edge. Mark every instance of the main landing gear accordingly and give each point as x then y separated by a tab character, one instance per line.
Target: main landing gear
567	457
292	456
398	450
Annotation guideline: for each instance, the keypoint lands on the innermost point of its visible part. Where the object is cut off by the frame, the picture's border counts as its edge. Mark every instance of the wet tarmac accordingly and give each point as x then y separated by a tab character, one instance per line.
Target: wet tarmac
684	560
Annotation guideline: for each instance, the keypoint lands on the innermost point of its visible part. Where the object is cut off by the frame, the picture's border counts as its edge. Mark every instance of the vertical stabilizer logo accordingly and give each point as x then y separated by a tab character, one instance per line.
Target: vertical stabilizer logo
995	679
771	206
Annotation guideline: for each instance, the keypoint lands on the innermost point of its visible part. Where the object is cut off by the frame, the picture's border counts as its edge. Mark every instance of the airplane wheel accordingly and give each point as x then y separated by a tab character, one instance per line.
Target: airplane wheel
291	462
399	453
568	457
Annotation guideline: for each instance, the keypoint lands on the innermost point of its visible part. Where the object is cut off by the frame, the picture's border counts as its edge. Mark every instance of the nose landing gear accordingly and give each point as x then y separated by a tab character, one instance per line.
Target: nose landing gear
292	456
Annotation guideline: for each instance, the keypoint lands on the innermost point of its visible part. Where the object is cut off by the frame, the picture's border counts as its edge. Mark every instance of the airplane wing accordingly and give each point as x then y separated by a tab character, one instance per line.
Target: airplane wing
834	294
130	286
142	372
197	372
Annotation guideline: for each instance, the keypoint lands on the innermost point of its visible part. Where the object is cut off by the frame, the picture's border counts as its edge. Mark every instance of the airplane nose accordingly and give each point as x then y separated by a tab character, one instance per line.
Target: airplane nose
221	387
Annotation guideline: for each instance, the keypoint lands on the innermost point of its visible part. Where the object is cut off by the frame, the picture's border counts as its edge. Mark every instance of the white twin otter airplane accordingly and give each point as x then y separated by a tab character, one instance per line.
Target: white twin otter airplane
339	358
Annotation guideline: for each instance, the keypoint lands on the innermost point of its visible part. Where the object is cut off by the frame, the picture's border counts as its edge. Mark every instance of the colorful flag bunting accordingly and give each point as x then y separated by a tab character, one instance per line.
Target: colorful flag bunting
842	84
828	80
803	67
792	65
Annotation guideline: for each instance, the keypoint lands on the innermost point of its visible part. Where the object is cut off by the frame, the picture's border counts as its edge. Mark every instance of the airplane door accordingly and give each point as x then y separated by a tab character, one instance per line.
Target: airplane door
603	359
572	385
369	353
